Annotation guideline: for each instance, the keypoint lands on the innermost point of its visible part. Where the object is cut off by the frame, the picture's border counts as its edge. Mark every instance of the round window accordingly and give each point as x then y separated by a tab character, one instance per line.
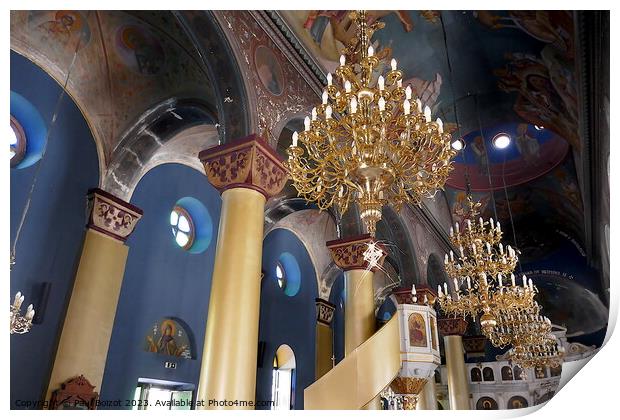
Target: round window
182	227
17	140
288	274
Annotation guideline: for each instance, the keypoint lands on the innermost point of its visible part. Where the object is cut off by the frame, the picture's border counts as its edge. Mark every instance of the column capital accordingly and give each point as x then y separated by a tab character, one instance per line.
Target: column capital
474	345
354	253
324	311
452	326
424	295
408	385
110	215
248	162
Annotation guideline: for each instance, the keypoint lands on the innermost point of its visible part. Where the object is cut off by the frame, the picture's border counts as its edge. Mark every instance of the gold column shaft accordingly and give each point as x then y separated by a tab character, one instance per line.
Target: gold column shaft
359	312
427	400
86	332
324	349
359	315
458	389
228	369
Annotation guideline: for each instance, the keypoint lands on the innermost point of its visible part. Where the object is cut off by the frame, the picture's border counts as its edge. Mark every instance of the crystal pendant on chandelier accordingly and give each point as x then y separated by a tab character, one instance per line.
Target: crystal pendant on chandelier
370	142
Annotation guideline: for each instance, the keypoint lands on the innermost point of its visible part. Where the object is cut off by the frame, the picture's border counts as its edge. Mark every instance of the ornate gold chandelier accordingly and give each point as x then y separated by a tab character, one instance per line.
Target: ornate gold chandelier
522	327
481	272
369	142
509	314
547	352
529	334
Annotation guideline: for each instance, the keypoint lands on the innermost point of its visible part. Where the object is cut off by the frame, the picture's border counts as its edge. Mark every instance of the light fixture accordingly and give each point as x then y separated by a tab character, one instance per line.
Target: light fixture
482	273
539	127
370	142
20	324
501	141
458	144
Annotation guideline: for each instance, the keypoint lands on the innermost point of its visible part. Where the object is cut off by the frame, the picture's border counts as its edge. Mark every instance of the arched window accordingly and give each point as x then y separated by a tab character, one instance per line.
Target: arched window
283	379
182	227
518	373
17	140
488	375
540	372
507	374
475	375
555	371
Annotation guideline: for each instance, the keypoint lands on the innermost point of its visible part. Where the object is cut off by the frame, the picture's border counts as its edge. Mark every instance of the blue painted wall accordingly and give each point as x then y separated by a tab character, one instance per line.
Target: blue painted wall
287	319
161	280
51	239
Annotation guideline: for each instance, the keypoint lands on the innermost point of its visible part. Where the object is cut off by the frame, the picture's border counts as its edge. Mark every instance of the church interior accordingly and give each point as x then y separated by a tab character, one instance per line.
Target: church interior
289	210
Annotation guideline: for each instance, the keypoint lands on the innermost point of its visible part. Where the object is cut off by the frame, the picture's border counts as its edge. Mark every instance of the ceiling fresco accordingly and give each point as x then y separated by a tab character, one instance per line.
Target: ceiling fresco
126	62
552	202
533	152
519	64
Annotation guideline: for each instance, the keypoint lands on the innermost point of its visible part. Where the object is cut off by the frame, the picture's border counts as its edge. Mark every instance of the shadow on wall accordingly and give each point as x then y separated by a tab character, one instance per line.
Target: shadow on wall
286	317
51	239
162	280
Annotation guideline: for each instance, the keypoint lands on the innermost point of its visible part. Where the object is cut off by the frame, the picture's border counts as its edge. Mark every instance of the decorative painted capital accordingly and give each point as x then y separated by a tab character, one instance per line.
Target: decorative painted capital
324	311
248	162
452	326
407	385
110	215
357	253
424	295
474	345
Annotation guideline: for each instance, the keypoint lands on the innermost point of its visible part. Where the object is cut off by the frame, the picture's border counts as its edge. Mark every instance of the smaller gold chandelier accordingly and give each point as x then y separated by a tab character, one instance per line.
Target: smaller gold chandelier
523	327
20	324
489	300
479	271
369	142
545	353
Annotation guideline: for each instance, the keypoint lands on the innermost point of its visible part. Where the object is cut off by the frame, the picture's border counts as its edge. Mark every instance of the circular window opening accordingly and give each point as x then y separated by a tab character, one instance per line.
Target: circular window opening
17	140
182	227
191	224
288	274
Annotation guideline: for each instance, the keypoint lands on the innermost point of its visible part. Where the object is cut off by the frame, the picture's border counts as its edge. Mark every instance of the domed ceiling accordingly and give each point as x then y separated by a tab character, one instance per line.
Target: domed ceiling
125	63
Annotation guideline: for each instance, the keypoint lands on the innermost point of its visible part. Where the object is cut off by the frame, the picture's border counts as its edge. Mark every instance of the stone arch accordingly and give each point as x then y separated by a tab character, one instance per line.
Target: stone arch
435	272
392	232
232	109
145	144
314	228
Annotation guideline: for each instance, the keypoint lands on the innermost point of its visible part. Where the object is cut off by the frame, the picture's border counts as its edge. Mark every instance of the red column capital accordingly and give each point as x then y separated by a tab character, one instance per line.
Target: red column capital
355	253
110	215
248	162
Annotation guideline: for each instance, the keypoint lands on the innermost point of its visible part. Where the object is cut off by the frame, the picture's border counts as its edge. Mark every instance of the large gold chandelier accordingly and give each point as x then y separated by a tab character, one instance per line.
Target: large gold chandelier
485	286
482	272
369	142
